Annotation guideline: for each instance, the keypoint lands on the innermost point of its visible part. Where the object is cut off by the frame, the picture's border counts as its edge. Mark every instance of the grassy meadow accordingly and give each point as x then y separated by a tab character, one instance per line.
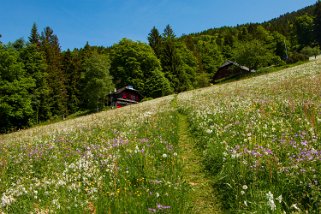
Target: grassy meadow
259	139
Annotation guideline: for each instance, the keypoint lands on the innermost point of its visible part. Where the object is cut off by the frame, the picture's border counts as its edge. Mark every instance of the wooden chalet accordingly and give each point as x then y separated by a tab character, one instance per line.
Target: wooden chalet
230	70
124	96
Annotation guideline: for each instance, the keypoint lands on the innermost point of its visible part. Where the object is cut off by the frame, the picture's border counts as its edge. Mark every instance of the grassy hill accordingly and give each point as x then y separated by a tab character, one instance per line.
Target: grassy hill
258	140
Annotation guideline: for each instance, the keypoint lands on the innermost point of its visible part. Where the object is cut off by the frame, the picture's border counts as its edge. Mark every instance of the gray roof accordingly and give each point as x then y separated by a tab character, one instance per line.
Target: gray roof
228	63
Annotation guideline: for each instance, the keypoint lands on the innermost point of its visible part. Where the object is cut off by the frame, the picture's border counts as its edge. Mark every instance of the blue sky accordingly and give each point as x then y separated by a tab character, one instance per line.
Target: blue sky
105	22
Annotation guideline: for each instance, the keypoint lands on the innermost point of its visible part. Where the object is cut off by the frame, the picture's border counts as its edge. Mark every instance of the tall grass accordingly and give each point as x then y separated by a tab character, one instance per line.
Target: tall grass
120	161
261	139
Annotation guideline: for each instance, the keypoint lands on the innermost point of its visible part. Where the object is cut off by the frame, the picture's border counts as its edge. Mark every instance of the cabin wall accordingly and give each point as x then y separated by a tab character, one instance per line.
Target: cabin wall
229	72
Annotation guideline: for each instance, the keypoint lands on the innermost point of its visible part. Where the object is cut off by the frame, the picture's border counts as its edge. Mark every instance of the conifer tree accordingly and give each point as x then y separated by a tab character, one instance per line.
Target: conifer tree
317	22
169	57
155	41
71	66
178	63
56	77
36	67
34	37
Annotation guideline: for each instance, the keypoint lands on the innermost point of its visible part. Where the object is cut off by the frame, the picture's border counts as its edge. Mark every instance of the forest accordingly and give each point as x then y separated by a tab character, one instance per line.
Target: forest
40	82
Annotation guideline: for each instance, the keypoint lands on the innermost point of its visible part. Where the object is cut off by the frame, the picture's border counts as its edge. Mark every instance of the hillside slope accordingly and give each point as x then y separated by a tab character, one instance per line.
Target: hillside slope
260	140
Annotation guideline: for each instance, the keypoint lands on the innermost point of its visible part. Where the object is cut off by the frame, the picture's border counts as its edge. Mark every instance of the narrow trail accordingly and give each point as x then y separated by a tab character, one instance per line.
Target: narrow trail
201	196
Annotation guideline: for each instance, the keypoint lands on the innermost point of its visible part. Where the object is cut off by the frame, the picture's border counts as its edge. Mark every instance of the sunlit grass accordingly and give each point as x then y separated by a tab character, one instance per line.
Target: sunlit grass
261	139
119	161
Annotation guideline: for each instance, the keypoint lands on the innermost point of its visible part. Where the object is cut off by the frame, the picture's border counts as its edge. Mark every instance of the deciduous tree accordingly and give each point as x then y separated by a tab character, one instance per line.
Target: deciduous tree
15	100
98	81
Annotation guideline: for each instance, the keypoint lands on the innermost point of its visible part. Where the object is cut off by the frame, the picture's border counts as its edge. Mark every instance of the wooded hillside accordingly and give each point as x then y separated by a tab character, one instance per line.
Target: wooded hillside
39	81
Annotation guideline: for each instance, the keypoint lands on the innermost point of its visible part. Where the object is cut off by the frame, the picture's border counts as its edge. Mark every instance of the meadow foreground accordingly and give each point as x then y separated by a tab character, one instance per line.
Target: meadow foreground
259	139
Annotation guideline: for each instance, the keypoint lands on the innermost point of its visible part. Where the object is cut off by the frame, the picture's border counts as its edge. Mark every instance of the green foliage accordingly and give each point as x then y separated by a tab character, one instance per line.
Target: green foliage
304	30
134	63
98	82
36	67
210	55
56	77
172	64
308	51
15	100
254	55
34	37
178	62
155	41
72	68
156	85
317	22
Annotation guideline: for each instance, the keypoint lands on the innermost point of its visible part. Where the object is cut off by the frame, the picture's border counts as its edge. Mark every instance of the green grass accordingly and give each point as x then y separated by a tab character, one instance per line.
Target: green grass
260	139
202	196
253	143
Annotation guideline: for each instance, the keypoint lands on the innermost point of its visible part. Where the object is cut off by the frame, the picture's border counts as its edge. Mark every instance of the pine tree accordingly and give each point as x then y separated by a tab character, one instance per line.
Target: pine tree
36	67
178	63
317	22
71	66
56	77
169	33
155	41
34	37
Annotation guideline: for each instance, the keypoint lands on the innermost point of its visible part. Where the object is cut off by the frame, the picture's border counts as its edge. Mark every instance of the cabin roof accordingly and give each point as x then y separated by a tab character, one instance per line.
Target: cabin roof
224	72
127	88
229	63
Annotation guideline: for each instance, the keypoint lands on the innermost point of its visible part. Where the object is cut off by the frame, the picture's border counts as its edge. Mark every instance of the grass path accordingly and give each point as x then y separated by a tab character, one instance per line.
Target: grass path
201	196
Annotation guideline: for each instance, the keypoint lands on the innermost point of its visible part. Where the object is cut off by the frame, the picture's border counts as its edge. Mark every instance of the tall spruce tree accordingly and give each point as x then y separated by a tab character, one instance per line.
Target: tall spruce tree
155	41
169	57
36	67
34	37
317	22
178	63
71	66
56	77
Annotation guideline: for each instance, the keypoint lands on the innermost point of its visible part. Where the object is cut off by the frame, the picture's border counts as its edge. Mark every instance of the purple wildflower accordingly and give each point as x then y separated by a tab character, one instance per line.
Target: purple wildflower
161	207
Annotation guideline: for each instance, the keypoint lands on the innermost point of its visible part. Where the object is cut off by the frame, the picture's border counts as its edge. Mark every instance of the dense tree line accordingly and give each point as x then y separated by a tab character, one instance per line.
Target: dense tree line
39	81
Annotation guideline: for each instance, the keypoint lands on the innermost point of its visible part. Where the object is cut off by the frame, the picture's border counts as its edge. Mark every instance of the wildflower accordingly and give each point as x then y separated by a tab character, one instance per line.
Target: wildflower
209	131
152	210
6	200
242	192
164	155
161	207
295	206
244	187
279	199
175	154
270	202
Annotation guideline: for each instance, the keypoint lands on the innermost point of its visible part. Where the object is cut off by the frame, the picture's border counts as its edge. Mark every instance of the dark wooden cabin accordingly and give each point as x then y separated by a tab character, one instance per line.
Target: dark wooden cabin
230	70
124	96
